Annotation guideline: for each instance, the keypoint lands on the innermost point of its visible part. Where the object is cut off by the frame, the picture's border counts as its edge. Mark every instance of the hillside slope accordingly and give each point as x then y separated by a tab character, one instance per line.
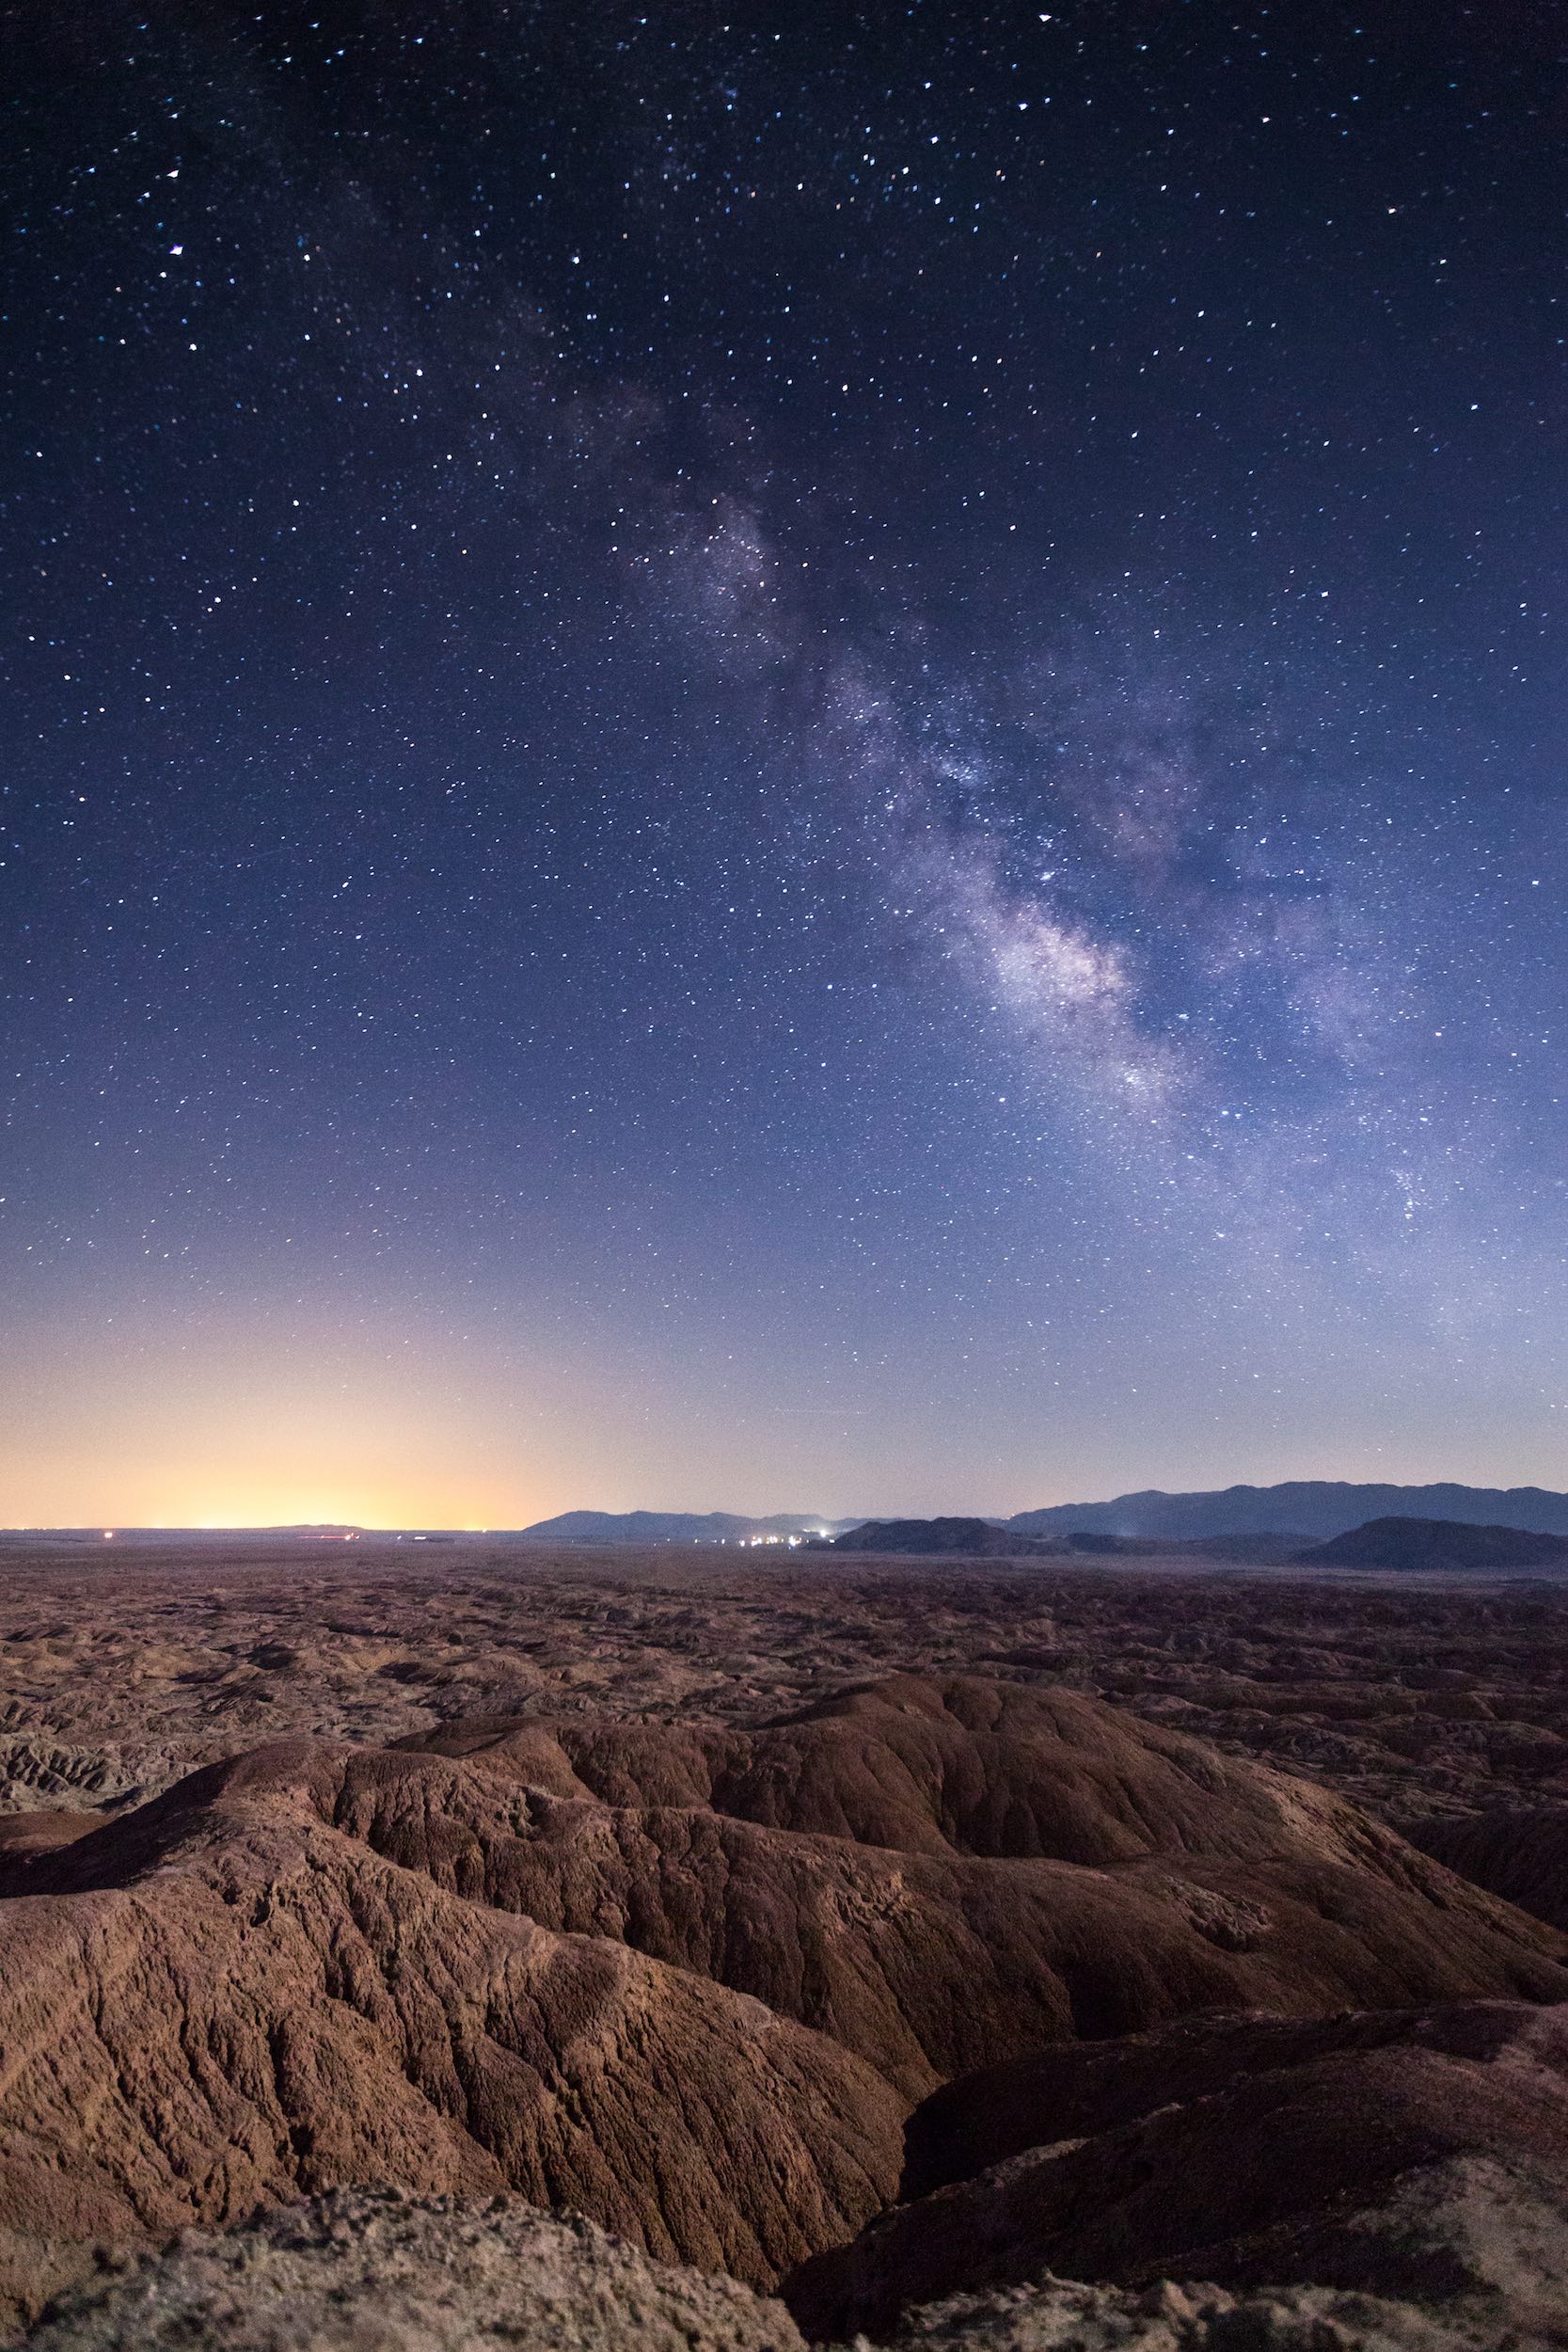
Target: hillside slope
687	1978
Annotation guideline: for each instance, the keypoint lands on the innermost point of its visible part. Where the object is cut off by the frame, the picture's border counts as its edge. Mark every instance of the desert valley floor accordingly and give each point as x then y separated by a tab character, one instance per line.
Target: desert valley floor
901	1940
1416	1697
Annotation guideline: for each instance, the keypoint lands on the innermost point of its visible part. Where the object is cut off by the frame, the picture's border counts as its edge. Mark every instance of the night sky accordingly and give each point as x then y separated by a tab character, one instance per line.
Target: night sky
780	757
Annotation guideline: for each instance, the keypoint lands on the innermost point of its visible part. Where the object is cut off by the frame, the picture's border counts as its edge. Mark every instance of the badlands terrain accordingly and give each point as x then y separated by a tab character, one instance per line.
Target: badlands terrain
1417	1698
999	1954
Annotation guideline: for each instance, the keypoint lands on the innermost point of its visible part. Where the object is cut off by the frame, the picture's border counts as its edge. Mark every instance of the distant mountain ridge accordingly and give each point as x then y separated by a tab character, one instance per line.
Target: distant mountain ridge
1314	1508
1307	1510
1437	1544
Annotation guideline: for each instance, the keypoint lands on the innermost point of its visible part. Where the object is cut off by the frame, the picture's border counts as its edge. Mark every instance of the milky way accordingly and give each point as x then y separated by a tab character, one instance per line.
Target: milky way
779	762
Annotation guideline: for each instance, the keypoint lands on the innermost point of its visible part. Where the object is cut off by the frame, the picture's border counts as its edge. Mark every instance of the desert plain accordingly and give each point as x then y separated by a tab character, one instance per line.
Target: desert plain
993	1953
1419	1697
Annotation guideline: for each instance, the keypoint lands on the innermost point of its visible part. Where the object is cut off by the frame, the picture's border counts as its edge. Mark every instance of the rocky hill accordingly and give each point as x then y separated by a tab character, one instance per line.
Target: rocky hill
951	1538
687	1978
616	1528
378	2271
1411	2154
1437	1544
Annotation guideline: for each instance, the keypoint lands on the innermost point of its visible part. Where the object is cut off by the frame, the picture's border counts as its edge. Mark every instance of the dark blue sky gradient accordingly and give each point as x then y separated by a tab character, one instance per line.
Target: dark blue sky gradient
781	760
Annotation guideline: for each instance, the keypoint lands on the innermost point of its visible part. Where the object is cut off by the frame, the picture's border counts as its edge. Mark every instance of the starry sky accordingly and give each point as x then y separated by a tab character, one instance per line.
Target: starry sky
780	757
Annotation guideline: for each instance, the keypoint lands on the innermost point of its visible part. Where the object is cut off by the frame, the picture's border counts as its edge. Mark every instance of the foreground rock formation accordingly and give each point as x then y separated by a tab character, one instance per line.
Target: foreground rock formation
688	1979
375	2271
1418	2154
242	2002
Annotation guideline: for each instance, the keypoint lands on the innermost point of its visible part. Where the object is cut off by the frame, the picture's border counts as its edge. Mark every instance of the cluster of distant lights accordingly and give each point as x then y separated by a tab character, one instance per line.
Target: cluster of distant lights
753	1543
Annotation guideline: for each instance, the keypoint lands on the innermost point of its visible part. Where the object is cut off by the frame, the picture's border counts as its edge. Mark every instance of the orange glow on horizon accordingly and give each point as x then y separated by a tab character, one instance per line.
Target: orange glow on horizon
200	1498
234	1428
373	1509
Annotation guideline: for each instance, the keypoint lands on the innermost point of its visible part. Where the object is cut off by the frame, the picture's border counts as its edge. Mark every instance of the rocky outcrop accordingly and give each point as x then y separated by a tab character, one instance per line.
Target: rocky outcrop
376	2272
1242	2151
686	1978
243	2003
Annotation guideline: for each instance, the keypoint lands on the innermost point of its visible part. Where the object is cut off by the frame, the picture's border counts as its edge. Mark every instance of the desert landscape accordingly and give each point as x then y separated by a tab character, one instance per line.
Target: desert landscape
1419	1697
909	1950
784	1518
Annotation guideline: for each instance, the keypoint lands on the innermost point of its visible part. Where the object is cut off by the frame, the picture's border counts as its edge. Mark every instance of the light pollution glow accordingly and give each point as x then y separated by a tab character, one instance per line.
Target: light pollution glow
228	1430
